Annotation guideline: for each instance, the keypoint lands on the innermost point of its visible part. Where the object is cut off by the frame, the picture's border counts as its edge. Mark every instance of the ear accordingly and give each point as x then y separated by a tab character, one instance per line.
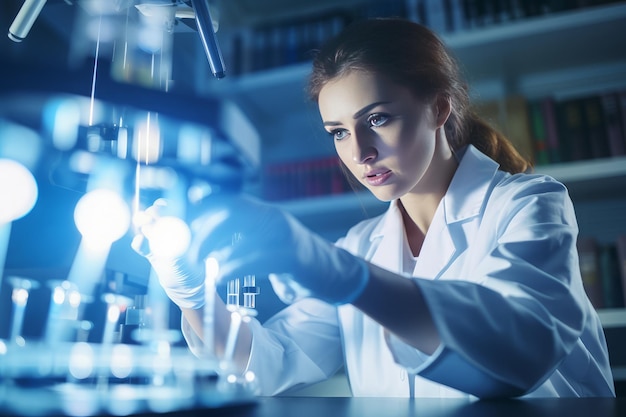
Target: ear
443	107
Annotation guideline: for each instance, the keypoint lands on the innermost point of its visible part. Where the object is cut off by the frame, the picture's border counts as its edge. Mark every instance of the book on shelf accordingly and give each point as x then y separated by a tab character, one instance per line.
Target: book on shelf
548	131
588	258
610	276
615	125
620	247
303	179
622	111
539	132
603	271
570	120
548	110
579	128
517	128
595	127
288	40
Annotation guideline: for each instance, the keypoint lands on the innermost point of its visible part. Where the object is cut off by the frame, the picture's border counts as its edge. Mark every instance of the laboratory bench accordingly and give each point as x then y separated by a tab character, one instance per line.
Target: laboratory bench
431	407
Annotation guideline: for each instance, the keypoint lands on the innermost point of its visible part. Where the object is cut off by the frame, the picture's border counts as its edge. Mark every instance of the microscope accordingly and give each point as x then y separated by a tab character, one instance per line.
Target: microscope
85	151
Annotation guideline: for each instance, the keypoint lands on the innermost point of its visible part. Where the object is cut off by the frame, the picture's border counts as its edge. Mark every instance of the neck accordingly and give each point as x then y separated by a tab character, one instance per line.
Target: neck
419	206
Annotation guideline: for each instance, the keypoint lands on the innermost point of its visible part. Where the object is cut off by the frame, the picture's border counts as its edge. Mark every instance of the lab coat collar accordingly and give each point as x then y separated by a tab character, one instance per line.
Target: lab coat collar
465	196
389	233
463	200
470	184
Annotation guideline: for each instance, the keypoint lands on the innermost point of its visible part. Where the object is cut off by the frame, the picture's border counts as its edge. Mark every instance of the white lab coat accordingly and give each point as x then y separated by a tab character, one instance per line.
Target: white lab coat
499	271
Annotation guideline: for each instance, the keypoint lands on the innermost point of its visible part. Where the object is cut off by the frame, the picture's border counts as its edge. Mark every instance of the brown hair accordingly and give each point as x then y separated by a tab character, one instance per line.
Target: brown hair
412	55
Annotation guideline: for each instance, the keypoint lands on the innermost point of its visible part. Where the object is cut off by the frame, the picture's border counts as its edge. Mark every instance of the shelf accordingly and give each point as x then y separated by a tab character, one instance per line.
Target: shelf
590	178
619	373
562	22
593	169
334	204
539	56
542	43
609	170
331	216
612	317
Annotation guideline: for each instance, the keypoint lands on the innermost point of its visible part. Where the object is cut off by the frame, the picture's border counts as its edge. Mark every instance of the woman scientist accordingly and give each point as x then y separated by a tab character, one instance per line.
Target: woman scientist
468	284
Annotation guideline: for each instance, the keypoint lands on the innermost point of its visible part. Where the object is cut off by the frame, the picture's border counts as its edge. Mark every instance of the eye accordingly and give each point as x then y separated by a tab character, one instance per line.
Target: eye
338	134
377	119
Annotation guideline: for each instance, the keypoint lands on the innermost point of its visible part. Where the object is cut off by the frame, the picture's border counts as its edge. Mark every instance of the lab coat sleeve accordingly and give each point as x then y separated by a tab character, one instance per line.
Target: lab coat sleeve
298	346
507	325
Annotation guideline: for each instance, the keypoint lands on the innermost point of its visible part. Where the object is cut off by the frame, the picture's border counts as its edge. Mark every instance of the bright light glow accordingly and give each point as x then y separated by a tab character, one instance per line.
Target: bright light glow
211	268
81	360
63	119
162	362
18	191
74	298
65	292
20	144
122	142
194	145
20	296
121	360
102	217
82	162
163	348
169	237
58	295
113	314
147	140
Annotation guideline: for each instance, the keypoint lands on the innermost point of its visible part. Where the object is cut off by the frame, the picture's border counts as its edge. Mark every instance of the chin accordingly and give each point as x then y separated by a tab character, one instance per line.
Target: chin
383	196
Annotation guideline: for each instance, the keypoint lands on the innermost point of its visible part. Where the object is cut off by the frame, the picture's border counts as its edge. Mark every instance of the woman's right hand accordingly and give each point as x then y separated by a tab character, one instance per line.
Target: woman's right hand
182	280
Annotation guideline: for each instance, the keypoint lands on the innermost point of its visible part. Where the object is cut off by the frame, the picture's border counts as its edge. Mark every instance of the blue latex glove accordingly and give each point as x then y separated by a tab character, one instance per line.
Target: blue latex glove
273	243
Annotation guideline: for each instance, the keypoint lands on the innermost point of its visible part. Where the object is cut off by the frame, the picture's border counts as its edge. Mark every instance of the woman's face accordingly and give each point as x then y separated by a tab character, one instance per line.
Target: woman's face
384	135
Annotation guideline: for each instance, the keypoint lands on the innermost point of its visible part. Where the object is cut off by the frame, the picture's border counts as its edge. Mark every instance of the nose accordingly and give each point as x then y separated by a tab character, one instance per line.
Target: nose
363	149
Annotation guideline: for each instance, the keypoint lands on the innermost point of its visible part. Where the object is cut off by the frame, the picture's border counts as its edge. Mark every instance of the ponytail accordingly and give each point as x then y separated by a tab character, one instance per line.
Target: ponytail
495	145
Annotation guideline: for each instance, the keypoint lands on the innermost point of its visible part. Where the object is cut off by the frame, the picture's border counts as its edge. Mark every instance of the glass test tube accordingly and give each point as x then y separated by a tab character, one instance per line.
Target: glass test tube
250	291
65	300
211	268
19	297
115	304
232	287
232	293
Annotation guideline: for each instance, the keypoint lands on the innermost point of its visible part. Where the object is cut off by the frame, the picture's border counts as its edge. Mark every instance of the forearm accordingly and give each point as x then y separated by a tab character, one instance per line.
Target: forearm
221	329
398	305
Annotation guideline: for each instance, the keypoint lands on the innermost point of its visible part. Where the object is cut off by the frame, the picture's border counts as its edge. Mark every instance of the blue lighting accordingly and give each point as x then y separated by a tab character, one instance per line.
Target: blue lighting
102	216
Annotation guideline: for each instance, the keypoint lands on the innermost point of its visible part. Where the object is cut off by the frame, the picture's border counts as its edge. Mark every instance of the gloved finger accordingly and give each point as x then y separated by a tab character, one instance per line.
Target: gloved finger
249	259
140	245
287	289
144	219
157	209
283	284
224	229
205	238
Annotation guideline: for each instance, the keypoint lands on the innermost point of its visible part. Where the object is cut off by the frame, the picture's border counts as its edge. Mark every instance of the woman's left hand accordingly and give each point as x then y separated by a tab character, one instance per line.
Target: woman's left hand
247	237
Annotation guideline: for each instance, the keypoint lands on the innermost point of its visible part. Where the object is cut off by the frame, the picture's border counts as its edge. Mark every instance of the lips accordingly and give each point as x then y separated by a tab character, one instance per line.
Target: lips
377	177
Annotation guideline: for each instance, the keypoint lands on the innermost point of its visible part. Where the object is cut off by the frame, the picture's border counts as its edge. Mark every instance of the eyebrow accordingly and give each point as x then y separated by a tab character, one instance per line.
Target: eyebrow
359	113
